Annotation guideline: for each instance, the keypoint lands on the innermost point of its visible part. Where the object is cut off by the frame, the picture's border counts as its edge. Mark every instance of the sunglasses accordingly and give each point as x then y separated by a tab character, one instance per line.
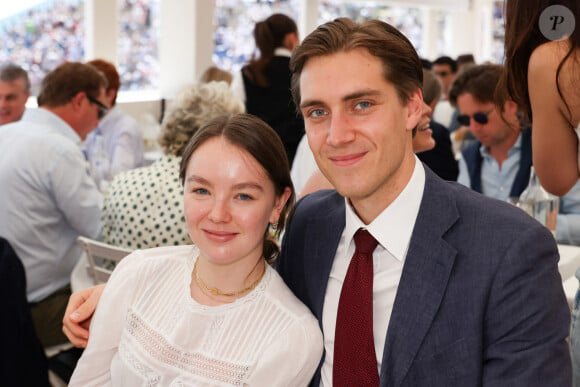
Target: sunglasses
479	117
102	108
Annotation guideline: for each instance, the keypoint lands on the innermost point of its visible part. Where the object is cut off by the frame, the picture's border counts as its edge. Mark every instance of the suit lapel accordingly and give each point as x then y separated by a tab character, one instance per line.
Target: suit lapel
322	237
423	282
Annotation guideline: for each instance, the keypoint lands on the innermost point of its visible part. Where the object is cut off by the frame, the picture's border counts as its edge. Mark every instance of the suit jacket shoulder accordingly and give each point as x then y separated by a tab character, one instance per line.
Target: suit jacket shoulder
480	296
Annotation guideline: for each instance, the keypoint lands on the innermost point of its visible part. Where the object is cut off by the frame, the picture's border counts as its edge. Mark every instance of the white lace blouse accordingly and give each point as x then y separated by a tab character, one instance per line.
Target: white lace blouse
148	331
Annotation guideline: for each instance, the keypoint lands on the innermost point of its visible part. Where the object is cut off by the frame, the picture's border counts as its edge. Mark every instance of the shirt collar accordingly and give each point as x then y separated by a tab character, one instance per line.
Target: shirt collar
282	51
394	226
47	118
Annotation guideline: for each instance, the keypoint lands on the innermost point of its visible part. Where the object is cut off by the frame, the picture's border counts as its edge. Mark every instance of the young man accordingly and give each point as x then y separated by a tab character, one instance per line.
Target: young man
438	304
498	164
14	92
449	307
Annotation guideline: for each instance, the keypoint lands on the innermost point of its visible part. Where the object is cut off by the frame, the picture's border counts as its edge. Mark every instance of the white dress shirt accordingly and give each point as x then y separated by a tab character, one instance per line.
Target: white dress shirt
392	229
47	199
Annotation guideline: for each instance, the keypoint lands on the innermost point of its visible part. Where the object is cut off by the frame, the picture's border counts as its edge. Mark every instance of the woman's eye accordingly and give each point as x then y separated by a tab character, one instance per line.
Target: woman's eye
244	197
200	191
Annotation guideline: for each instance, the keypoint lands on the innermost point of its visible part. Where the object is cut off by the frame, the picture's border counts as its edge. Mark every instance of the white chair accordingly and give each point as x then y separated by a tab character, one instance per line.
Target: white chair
102	258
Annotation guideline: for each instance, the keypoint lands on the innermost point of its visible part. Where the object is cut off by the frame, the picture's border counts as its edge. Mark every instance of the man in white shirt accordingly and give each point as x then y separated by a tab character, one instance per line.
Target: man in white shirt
47	198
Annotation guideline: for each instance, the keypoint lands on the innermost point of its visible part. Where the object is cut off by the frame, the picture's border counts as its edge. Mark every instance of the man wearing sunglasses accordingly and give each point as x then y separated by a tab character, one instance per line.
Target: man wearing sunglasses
47	198
498	163
119	133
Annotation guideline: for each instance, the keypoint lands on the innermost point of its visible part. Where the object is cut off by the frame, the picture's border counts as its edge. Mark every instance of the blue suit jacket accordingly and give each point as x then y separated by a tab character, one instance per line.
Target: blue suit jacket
480	300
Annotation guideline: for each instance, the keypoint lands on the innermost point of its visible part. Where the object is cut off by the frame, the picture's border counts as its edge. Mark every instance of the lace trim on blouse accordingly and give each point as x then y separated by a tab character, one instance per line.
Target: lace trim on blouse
159	349
152	377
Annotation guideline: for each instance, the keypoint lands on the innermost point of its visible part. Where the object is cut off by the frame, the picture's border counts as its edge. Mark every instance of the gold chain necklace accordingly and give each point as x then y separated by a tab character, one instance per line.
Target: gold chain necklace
218	292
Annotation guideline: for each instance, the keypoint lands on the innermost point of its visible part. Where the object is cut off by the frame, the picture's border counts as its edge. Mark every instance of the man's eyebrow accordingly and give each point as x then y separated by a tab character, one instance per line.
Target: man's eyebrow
348	97
360	94
308	103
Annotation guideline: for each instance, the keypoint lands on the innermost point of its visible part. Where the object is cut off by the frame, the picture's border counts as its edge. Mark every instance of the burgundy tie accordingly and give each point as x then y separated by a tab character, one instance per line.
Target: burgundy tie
355	360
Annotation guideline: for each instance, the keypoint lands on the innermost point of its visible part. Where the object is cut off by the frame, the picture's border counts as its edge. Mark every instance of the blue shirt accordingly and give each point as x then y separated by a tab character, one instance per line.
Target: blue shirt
47	199
496	182
122	138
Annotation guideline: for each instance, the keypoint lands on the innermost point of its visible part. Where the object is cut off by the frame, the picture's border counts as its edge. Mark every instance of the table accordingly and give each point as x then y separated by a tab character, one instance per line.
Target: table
569	262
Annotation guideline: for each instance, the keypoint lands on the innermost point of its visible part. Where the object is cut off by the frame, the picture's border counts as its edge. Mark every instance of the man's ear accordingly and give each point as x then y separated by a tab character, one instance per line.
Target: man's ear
510	108
414	109
111	95
77	100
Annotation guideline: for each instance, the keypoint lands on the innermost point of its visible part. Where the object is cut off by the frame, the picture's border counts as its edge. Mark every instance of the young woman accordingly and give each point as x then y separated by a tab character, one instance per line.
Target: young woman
543	77
215	313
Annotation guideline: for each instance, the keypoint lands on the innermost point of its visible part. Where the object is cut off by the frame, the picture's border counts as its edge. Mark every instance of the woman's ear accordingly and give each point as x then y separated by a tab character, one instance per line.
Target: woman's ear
291	40
279	205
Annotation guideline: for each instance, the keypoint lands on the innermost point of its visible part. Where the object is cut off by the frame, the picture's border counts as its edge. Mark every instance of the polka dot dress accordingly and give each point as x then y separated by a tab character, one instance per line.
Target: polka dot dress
144	207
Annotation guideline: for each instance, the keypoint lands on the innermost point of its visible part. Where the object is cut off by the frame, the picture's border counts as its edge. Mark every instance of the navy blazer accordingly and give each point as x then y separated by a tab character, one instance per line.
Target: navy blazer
480	300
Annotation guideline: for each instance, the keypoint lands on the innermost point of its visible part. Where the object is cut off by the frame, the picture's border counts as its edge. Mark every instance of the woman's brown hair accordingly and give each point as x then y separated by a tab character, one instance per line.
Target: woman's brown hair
522	37
269	35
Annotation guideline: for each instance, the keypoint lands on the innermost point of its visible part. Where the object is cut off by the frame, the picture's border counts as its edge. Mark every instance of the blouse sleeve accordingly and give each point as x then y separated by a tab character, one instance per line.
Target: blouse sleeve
293	358
93	368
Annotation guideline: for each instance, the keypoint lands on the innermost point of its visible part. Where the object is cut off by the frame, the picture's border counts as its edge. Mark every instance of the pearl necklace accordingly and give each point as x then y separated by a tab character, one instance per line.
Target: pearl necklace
218	292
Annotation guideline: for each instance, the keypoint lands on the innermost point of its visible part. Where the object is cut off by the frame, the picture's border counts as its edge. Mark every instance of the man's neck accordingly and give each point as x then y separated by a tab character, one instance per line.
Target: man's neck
369	207
500	152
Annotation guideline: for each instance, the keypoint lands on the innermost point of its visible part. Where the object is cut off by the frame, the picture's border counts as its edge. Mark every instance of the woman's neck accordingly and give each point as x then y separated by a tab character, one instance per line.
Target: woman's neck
213	284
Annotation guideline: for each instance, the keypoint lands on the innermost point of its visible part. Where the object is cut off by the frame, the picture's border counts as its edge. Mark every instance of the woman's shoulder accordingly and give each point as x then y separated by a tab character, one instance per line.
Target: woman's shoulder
549	55
158	256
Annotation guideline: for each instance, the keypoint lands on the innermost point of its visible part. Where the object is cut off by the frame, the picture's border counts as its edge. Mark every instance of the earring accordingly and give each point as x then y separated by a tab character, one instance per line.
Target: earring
272	228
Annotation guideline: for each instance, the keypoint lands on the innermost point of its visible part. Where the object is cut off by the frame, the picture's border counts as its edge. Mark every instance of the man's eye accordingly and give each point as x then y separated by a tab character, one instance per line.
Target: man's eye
317	113
362	105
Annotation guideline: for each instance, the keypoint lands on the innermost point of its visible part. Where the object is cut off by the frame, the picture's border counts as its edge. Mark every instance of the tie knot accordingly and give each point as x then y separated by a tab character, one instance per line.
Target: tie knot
365	243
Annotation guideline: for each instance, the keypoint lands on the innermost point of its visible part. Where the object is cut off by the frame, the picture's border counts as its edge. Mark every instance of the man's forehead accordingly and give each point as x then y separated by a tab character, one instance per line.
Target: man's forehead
327	75
12	86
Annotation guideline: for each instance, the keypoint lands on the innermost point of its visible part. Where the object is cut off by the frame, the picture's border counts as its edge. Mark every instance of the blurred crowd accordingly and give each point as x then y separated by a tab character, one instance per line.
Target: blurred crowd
53	31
